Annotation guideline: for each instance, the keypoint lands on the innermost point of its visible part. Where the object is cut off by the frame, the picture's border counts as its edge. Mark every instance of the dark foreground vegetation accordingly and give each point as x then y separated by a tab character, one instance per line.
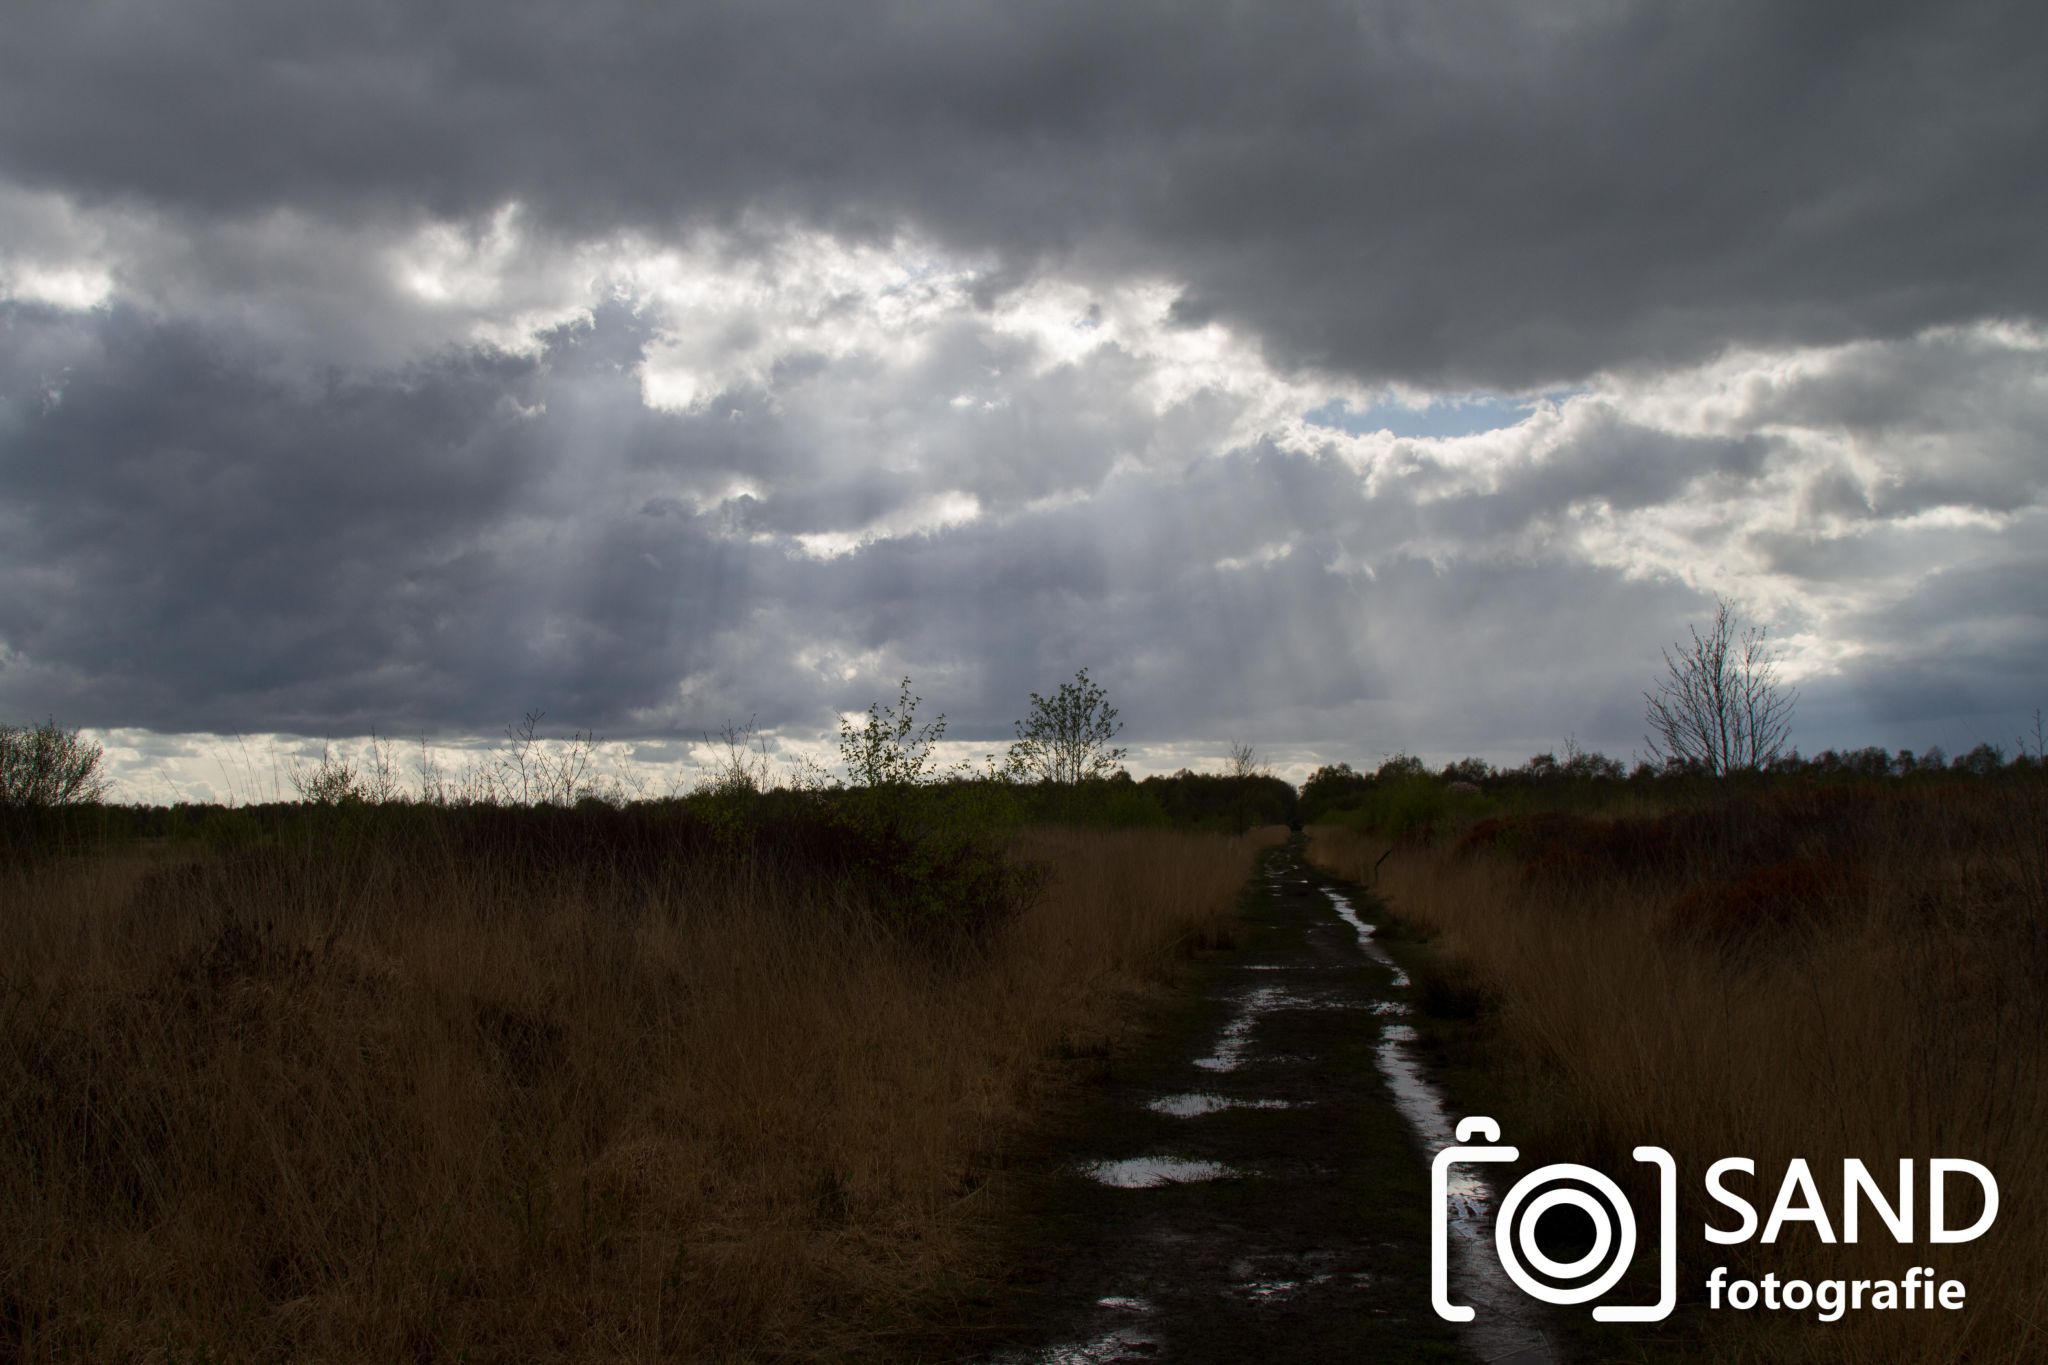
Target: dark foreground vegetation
728	1076
507	1066
1839	958
512	1067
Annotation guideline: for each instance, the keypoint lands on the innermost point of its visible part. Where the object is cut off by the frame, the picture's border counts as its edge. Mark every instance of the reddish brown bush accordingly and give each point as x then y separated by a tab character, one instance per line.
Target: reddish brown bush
1753	906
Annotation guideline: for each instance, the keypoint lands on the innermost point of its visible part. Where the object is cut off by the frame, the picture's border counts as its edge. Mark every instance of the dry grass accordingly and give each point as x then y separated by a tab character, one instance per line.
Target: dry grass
430	1112
1820	978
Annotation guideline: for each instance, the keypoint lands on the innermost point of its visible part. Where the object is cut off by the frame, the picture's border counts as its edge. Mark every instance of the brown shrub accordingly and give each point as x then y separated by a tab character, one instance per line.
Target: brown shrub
1817	974
1753	907
439	1098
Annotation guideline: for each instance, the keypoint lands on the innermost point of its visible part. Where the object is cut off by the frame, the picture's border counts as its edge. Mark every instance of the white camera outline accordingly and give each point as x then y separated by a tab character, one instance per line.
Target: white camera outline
1667	1242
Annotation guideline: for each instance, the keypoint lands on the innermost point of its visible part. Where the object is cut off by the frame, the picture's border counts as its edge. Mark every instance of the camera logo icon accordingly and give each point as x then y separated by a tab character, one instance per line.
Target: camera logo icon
1564	1185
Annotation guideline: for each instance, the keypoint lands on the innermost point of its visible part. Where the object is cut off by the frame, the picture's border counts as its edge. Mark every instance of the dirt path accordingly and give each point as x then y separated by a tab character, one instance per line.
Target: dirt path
1250	1184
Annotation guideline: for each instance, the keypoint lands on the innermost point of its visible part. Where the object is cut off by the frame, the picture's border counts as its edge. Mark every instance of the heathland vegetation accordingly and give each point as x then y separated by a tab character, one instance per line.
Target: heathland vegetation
1837	957
505	1064
530	1071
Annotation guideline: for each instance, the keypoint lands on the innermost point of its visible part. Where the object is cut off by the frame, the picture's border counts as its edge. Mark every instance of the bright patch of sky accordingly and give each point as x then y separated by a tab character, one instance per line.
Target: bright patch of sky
1437	418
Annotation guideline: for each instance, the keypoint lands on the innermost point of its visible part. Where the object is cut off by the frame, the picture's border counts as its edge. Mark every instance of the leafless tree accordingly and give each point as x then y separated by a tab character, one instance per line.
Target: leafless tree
520	759
1720	707
743	767
380	778
534	770
1244	768
481	782
433	778
2038	749
566	769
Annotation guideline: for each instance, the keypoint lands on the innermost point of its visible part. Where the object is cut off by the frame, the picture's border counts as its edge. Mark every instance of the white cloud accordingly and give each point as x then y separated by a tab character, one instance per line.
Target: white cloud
927	516
808	464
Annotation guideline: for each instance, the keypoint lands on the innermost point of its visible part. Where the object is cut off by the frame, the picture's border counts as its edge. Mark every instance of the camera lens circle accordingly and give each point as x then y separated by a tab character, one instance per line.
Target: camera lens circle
1603	1233
1614	1229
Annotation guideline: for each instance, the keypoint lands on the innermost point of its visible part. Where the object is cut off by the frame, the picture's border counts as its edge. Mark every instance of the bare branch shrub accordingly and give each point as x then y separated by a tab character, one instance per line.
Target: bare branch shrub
743	768
46	766
1720	708
333	781
533	770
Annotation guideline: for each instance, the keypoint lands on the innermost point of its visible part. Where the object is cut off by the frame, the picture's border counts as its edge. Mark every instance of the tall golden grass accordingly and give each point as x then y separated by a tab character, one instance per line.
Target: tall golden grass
1878	988
435	1113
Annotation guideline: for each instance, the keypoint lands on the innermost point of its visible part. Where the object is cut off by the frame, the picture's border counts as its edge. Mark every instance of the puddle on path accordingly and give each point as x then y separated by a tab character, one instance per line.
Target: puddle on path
1269	1276
1231	1047
1421	1103
1505	1328
1111	1348
1274	1279
1150	1172
1194	1106
1365	939
1130	1339
1235	1042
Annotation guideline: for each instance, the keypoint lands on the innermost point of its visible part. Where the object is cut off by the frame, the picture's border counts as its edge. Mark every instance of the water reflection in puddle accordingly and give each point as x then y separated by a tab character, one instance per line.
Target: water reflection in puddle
1123	1343
1193	1106
1124	1328
1235	1040
1365	939
1150	1172
1272	1279
1505	1328
1232	1043
1275	1291
1418	1100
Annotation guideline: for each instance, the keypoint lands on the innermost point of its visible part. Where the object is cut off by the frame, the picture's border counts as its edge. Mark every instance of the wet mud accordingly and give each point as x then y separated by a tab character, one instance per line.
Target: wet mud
1252	1182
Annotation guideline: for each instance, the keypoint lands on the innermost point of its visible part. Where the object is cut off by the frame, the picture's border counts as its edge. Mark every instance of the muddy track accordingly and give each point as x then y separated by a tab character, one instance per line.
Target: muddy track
1250	1183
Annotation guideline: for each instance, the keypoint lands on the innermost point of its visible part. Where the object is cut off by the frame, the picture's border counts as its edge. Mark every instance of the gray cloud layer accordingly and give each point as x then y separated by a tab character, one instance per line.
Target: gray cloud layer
666	365
1509	195
194	546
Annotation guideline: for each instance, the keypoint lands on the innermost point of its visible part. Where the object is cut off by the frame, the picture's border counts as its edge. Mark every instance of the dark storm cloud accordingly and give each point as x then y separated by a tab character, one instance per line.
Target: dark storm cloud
193	545
303	428
1501	196
1956	661
192	541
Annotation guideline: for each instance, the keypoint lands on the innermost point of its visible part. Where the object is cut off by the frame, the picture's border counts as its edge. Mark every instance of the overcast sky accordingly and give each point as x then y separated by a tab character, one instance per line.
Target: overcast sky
1339	378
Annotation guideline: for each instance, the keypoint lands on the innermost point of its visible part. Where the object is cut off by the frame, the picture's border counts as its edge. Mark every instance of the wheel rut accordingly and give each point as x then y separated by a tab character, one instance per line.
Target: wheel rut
1251	1182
